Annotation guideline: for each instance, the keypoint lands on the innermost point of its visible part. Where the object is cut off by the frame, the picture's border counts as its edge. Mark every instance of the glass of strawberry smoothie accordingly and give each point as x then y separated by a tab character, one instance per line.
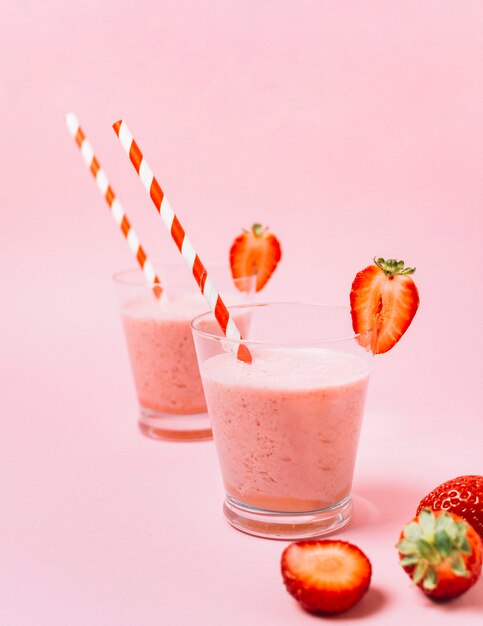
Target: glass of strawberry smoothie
161	350
286	426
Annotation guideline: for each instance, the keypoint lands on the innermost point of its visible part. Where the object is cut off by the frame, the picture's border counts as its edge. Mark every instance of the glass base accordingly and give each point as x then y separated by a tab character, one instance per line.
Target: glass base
273	525
171	427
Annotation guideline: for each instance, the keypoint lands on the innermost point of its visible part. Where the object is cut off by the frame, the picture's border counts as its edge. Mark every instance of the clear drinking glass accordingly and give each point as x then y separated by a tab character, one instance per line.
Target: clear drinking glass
286	426
161	350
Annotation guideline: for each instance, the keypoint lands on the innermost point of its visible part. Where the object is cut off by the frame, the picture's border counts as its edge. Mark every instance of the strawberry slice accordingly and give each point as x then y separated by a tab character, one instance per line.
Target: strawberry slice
326	576
256	251
384	300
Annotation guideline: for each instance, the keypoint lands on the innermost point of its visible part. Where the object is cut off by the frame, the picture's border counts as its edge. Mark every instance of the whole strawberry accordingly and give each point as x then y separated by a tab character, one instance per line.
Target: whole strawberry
442	553
463	496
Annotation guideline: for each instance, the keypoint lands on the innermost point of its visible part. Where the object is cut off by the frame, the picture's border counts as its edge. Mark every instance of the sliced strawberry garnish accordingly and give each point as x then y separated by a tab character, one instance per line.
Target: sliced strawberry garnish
255	252
462	496
384	300
442	553
326	576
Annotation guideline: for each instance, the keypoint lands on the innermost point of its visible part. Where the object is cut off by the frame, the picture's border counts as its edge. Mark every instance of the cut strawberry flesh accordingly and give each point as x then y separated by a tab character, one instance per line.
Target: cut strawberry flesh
255	252
383	305
327	565
326	576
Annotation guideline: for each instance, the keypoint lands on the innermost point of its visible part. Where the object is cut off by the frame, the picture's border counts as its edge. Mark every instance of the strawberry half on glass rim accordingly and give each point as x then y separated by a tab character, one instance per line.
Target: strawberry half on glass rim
256	251
384	300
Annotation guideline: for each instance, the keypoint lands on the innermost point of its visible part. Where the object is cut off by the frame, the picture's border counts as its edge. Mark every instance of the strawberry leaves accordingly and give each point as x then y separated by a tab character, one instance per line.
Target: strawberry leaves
441	553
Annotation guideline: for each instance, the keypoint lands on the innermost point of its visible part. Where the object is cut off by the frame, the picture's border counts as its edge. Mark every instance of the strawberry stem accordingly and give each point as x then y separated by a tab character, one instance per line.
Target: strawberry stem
258	230
392	267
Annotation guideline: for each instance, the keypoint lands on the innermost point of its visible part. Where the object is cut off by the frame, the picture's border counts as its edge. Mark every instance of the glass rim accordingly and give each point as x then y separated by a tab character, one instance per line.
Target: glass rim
257	342
121	277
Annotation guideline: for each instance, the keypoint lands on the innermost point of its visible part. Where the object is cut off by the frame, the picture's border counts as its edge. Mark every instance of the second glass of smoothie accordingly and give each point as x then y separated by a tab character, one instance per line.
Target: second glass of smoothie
161	350
286	426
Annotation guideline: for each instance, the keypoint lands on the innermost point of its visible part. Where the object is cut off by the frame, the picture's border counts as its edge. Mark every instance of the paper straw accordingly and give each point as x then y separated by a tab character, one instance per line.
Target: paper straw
177	232
108	194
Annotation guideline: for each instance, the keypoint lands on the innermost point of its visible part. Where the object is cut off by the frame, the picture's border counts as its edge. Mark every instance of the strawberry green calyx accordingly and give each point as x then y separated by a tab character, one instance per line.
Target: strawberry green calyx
392	267
432	541
258	230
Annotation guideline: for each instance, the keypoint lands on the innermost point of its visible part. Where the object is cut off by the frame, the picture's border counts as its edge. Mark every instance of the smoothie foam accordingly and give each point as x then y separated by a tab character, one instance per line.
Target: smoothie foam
287	425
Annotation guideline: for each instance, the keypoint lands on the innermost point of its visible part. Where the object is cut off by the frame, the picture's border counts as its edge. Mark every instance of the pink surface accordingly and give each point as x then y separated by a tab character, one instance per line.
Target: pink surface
354	129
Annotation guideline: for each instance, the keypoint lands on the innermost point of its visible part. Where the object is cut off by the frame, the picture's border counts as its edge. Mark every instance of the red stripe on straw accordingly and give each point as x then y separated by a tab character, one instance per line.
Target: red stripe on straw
79	138
221	314
156	194
135	156
141	256
95	166
177	233
110	195
199	272
243	353
125	225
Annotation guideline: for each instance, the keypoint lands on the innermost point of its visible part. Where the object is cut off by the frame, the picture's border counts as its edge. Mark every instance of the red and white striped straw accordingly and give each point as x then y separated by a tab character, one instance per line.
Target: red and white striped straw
177	232
108	194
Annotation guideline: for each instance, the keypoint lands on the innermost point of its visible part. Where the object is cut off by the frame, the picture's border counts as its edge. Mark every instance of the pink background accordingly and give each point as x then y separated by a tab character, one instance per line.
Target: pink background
353	129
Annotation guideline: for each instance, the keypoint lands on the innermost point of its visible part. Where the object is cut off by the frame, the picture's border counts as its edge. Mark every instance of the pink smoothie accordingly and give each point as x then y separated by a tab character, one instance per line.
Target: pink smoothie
287	426
162	353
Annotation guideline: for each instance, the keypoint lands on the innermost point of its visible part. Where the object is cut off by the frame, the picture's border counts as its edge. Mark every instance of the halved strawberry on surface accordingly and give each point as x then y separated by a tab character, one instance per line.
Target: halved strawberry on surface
384	300
255	251
326	576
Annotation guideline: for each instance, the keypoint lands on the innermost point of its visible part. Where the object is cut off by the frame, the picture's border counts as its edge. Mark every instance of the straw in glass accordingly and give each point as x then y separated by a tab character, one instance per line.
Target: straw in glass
115	206
182	242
